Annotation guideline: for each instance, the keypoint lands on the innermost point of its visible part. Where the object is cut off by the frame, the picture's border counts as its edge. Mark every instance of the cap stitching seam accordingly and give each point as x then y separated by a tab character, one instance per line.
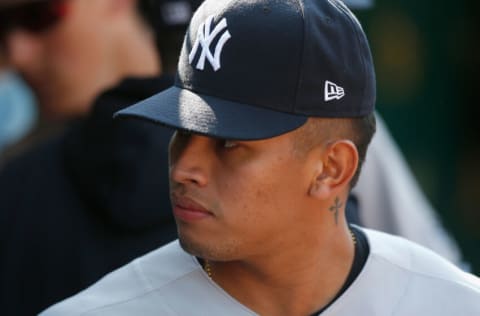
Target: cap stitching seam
302	52
341	9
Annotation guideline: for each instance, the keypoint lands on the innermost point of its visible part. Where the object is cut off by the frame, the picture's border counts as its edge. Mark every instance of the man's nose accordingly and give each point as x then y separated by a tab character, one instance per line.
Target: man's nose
191	159
21	48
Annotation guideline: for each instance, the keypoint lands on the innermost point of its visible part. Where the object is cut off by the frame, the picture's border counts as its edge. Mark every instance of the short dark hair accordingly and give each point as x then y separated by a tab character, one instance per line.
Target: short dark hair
363	130
358	130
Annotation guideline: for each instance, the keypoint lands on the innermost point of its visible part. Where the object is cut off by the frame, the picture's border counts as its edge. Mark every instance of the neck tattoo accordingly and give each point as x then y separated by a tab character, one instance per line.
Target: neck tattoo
208	268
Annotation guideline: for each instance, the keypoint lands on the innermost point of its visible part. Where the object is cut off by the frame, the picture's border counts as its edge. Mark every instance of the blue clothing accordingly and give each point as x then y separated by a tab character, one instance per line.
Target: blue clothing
17	109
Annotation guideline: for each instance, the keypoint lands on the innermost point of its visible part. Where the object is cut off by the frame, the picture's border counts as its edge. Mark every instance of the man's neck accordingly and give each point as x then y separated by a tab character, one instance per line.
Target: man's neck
295	281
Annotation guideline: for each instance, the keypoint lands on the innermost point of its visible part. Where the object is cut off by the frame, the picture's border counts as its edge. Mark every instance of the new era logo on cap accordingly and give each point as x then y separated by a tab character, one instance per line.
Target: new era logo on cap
205	36
333	91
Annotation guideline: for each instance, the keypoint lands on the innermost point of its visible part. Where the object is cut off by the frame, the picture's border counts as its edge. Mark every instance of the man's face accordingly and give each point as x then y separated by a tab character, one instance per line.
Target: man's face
235	199
65	63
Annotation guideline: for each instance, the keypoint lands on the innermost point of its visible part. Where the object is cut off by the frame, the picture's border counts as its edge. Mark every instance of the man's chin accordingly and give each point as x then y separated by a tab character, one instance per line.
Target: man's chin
51	109
57	112
193	247
215	250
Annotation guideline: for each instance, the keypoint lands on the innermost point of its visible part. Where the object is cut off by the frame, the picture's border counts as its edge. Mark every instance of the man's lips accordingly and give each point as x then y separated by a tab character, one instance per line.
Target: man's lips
188	210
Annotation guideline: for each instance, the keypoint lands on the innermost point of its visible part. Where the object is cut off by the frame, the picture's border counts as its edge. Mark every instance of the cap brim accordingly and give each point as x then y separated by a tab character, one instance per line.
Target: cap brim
183	109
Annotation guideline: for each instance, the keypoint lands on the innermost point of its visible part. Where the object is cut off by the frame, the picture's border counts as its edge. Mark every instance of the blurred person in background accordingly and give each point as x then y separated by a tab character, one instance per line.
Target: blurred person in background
387	196
90	199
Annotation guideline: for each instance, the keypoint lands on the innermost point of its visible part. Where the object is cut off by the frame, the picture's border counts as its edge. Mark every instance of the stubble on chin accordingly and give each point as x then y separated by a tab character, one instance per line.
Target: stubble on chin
221	251
192	247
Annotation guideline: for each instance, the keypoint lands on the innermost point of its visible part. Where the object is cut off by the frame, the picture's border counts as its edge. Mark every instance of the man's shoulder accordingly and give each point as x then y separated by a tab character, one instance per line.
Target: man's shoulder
415	258
137	286
425	281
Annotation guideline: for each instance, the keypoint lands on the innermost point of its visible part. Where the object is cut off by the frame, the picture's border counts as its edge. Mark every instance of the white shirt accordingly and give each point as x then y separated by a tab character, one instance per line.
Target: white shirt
399	278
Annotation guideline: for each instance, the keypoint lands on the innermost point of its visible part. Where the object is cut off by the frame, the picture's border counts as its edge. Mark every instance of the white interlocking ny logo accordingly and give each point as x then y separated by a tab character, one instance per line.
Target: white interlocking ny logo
205	38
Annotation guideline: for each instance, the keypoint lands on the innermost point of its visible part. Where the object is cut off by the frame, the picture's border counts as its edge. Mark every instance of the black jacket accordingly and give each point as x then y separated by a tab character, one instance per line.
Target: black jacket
84	203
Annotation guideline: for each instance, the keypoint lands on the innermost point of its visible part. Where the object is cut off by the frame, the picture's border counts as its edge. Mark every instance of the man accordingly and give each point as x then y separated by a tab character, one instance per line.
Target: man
91	199
273	106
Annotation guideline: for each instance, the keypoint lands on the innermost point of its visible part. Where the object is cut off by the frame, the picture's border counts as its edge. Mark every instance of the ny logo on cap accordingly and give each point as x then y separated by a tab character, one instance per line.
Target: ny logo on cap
205	36
333	91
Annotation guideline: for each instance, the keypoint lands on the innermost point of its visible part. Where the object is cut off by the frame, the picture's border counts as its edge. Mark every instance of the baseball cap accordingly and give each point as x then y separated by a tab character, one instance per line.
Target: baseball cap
255	69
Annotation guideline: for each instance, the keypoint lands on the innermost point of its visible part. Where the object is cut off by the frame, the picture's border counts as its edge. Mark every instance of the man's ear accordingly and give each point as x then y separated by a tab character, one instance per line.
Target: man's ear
338	166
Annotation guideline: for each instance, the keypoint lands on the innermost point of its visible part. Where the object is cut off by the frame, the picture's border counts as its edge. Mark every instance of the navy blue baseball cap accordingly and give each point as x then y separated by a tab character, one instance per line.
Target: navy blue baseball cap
255	69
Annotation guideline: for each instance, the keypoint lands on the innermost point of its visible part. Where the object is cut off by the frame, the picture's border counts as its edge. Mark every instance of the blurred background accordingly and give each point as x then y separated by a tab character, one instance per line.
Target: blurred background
427	58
